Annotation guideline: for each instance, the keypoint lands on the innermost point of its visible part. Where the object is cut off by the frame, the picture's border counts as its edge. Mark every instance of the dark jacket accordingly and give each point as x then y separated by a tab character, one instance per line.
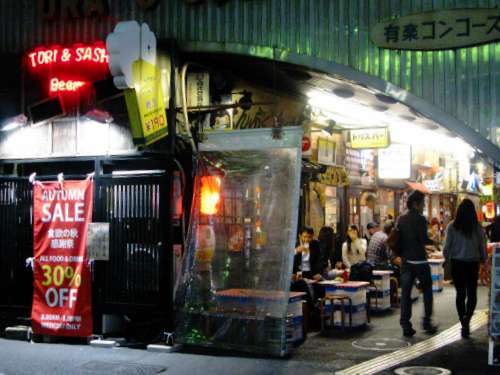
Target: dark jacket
413	236
315	260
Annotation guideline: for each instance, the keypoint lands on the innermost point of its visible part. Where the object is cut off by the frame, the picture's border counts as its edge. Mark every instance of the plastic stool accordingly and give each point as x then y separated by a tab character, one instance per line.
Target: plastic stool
332	299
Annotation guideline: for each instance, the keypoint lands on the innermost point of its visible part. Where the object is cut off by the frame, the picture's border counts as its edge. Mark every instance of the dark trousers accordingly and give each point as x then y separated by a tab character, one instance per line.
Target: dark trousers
465	276
301	286
410	272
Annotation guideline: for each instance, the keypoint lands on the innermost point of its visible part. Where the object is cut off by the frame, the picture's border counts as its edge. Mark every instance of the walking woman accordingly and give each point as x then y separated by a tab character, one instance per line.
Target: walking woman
465	248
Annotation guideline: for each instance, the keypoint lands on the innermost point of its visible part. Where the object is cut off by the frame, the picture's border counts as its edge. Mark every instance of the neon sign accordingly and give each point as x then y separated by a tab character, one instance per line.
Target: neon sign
56	55
57	85
69	69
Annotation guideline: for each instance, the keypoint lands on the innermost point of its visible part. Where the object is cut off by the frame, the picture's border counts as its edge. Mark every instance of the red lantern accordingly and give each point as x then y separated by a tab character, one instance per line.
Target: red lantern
210	194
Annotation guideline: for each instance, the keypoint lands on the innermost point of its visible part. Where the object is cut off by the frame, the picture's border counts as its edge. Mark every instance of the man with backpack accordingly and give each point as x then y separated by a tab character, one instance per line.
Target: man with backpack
411	234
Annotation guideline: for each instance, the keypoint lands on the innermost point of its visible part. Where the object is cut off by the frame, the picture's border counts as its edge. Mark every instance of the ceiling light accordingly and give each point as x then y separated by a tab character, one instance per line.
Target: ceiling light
343	92
14	122
99	115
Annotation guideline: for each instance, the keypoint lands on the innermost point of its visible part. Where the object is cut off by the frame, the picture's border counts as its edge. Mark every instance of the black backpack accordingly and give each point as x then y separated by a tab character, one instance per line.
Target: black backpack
361	271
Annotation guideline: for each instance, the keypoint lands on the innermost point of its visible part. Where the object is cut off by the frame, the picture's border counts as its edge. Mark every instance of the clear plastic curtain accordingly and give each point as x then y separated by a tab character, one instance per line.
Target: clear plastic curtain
233	291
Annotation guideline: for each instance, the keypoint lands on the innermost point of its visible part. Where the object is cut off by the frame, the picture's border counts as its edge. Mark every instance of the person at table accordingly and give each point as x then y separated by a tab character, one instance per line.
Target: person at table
371	228
307	266
378	253
465	248
354	248
308	258
493	230
326	239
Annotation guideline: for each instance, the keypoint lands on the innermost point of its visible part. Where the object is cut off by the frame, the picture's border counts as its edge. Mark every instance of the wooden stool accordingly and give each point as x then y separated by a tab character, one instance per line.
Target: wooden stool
332	298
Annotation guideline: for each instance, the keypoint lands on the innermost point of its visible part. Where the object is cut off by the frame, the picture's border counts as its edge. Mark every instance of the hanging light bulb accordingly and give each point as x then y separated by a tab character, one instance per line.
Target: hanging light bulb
210	194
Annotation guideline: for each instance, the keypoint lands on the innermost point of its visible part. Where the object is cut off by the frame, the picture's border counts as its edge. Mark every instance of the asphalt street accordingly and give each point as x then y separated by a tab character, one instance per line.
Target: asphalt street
319	354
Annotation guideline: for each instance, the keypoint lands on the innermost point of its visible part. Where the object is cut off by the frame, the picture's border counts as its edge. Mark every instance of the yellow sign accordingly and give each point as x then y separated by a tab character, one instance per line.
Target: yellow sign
369	138
334	176
148	120
443	29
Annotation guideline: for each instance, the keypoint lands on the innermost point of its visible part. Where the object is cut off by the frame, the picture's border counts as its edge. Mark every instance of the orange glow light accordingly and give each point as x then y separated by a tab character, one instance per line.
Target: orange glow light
210	194
489	209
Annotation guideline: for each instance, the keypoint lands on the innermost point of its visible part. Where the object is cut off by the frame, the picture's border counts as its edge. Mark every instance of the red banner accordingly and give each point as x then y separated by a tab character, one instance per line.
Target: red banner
62	282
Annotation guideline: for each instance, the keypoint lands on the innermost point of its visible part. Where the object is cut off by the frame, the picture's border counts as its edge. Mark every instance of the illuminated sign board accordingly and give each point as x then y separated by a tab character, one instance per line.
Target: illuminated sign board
69	69
369	138
56	55
439	29
394	162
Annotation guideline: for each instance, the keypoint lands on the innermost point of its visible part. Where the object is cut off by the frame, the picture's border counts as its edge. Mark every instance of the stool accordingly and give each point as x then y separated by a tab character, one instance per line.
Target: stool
332	299
369	298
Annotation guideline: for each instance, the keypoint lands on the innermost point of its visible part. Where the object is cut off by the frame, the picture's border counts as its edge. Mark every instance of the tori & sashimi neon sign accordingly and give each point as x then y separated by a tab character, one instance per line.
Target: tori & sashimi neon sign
69	69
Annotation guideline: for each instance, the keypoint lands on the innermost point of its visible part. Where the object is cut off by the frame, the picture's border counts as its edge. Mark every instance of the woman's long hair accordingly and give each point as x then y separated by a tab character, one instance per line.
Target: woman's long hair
466	219
349	240
326	238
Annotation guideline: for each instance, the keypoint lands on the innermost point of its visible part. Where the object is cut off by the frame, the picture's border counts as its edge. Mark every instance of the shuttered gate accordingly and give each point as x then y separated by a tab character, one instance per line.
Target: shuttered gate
137	279
16	245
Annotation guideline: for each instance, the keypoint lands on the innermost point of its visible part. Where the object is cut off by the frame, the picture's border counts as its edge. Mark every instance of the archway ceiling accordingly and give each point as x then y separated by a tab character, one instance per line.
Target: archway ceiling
350	104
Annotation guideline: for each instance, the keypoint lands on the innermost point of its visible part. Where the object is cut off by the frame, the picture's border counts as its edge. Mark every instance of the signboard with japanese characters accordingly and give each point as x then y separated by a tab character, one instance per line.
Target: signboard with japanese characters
369	138
394	162
98	241
145	105
435	30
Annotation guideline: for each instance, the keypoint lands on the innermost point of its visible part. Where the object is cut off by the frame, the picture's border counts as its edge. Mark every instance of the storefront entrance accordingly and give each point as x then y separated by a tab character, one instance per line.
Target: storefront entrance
137	280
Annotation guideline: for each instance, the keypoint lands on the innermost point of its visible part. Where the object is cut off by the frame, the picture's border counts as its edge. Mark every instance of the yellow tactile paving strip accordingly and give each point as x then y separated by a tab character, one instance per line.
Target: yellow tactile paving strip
398	357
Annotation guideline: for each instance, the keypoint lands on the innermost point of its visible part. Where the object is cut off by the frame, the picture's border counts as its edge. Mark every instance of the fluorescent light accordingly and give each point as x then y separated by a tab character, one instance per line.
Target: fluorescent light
99	115
352	113
14	122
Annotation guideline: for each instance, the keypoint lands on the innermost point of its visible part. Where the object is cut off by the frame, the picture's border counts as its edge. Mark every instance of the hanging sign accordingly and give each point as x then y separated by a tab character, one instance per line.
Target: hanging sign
443	29
394	162
369	138
62	280
148	119
334	176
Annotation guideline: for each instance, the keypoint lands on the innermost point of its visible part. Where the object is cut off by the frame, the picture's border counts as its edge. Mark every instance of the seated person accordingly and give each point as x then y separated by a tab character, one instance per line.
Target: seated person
378	252
307	259
354	249
307	265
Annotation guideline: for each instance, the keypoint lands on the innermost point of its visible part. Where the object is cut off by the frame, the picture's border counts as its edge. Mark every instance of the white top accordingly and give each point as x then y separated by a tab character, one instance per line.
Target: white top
357	253
306	264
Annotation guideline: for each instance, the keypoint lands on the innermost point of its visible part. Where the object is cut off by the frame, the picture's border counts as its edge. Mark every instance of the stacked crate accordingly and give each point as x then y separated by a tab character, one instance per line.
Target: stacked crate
380	292
265	303
356	291
437	274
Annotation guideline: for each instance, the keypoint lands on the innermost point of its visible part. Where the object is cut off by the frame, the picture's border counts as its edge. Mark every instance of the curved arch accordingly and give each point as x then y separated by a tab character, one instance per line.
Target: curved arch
330	67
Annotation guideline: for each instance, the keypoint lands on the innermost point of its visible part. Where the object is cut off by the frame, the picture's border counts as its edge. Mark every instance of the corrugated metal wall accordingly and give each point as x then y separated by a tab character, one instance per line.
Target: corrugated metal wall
464	83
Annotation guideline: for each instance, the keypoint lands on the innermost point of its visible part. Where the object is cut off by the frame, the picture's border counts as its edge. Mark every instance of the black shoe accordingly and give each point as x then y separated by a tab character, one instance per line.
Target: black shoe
409	332
465	332
430	328
465	328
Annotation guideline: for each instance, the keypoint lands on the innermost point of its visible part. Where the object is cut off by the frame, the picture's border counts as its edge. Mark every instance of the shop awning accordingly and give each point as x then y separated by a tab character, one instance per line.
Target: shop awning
418	186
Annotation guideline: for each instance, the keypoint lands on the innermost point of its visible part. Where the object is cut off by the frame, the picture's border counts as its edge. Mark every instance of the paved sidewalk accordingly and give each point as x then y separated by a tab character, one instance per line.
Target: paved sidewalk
319	355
